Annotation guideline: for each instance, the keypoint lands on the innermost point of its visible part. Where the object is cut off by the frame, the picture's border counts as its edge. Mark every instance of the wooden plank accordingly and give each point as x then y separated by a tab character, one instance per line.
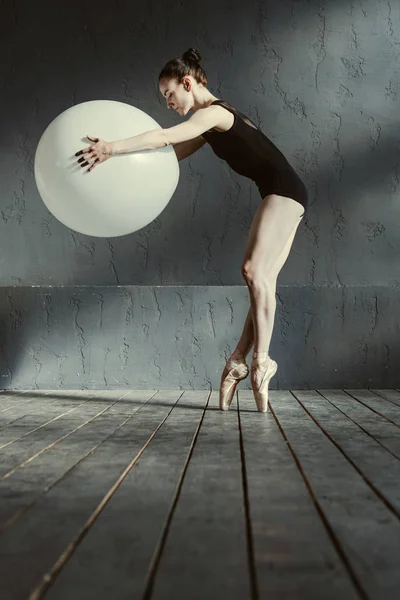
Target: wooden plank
19	492
132	522
38	416
15	456
12	400
34	405
293	553
390	395
384	432
380	468
31	414
365	531
205	554
30	548
380	406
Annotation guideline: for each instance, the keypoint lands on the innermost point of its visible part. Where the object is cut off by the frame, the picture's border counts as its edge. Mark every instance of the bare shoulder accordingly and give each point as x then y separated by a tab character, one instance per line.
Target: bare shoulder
225	118
217	117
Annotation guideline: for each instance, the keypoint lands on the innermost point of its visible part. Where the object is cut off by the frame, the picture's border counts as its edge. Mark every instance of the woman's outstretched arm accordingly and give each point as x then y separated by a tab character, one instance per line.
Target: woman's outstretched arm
202	120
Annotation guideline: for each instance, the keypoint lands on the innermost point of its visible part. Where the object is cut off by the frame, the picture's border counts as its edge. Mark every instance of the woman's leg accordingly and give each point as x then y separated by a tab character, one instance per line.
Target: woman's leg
276	220
246	341
247	337
270	239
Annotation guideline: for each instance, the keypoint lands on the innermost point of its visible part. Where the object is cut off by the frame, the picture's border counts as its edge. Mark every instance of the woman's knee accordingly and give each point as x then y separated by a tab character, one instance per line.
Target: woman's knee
256	276
246	269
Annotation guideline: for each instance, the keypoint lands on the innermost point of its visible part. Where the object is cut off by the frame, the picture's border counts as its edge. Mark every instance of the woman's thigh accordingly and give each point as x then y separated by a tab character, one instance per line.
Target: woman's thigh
271	234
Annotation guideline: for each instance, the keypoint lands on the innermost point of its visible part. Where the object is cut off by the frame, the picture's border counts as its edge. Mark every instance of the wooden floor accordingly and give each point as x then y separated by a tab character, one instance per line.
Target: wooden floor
158	494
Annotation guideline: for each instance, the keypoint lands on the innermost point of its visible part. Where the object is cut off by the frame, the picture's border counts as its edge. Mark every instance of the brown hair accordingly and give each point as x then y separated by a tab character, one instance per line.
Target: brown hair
187	64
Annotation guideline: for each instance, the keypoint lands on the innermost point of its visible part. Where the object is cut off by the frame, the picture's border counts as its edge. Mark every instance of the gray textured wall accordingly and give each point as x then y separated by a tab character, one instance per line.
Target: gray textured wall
321	78
147	337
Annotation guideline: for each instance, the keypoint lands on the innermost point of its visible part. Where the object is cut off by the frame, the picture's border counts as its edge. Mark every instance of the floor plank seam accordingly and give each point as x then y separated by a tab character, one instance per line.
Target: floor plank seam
249	532
157	555
49	446
53	401
49	578
331	533
369	483
361	427
373	409
3	410
44	424
22	511
383	398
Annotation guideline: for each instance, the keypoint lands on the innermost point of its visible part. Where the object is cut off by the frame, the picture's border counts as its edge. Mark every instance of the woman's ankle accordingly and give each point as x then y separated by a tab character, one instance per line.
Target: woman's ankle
260	359
260	354
238	354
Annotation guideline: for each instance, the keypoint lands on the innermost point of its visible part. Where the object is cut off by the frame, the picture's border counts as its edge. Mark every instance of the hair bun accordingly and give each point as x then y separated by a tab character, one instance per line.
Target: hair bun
191	56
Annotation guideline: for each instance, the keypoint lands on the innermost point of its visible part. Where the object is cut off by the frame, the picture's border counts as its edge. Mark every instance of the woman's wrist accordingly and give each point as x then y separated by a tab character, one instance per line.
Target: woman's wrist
149	140
113	148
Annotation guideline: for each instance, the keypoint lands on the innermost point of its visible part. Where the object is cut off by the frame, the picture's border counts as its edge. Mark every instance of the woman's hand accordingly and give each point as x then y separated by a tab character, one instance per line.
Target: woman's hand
93	155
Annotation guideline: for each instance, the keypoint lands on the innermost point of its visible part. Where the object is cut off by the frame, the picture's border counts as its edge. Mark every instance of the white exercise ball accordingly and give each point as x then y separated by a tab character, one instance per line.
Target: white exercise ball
119	196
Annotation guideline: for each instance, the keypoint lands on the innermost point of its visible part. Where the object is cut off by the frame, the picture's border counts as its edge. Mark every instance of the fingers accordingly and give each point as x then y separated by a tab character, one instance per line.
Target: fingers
91	155
88	154
89	149
93	165
84	151
88	163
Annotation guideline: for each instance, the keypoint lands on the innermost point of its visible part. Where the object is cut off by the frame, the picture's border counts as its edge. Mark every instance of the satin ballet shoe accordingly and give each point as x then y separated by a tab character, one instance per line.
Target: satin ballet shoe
234	371
263	368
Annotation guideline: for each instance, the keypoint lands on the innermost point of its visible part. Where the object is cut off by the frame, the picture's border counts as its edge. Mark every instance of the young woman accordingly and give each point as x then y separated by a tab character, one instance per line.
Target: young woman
236	139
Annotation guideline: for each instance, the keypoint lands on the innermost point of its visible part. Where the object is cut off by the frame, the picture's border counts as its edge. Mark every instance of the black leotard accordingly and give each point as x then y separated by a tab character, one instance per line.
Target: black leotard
249	152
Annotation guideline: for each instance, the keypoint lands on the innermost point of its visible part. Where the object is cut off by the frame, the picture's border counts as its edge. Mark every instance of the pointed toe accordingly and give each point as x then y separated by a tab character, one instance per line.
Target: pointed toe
232	374
260	378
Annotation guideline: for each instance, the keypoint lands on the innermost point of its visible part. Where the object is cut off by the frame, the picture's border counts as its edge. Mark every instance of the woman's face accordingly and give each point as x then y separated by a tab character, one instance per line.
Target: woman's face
176	96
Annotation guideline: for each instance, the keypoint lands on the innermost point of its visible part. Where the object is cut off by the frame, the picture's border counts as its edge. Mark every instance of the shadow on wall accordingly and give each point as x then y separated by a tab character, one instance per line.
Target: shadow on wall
19	340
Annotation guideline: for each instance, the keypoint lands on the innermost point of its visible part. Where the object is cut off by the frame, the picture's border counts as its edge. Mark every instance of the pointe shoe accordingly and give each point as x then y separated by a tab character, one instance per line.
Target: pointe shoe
234	371
262	369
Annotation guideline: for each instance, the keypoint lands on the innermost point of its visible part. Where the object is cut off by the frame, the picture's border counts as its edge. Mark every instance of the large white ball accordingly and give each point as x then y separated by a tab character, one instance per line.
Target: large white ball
119	196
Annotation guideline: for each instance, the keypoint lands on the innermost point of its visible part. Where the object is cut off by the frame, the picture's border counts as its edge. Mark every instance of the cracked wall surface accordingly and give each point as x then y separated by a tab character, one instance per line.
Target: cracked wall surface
163	306
179	337
320	78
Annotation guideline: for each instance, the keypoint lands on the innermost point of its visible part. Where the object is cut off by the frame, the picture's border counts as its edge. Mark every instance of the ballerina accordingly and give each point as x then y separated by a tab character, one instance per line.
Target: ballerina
284	200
